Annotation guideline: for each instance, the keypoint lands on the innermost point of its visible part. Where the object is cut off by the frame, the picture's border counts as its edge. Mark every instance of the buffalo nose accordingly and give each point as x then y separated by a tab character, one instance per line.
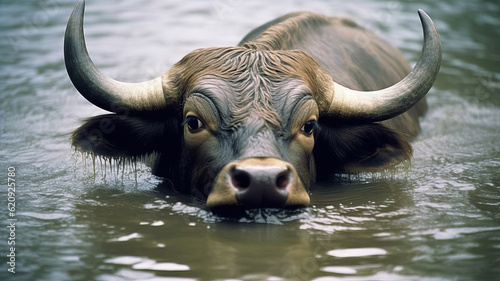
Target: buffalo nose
261	186
258	182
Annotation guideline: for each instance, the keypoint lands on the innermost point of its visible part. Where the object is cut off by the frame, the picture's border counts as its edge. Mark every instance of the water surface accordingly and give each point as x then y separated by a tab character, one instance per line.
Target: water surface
438	221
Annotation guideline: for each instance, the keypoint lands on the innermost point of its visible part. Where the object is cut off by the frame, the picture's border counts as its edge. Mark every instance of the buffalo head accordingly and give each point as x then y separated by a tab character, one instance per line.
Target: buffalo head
251	125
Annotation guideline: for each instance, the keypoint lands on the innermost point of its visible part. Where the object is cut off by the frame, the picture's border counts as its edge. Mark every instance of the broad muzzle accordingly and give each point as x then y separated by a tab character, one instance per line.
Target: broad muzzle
257	183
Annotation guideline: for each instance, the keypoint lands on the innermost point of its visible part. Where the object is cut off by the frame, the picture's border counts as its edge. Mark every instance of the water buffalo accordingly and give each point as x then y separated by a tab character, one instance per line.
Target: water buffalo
300	98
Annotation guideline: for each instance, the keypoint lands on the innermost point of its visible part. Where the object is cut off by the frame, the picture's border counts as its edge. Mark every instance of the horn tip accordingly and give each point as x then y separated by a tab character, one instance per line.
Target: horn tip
81	4
80	7
423	15
78	11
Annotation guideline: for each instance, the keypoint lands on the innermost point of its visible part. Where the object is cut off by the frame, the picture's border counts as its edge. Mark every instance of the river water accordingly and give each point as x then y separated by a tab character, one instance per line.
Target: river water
438	221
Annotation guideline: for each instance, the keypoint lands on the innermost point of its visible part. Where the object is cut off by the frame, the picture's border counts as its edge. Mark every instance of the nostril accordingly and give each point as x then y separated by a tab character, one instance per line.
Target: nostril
240	179
283	179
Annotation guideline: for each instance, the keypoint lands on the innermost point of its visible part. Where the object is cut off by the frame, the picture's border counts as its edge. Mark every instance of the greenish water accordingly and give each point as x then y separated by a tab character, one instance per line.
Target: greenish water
440	221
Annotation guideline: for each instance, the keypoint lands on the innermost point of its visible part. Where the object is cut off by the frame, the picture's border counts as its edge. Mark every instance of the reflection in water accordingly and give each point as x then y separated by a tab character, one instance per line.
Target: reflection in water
359	252
438	221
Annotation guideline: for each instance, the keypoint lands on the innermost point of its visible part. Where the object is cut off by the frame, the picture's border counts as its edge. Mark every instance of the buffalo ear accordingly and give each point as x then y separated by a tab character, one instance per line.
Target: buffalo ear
117	136
358	148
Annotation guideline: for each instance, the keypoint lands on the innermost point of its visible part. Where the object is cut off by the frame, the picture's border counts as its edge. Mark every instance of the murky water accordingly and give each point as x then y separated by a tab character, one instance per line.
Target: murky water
440	221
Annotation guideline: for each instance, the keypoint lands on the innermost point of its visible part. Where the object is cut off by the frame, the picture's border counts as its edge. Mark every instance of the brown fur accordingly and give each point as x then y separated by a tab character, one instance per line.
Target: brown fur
242	68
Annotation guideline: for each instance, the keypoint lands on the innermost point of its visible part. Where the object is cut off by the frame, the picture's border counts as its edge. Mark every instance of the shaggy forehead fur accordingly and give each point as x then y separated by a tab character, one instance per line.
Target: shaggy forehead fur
252	75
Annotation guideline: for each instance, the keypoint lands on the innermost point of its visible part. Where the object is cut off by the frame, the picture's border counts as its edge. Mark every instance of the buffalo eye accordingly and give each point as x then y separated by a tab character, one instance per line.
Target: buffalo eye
194	124
308	127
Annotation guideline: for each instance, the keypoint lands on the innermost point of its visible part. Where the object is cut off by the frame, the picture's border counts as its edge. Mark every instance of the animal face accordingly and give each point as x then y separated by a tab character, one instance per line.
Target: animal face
249	107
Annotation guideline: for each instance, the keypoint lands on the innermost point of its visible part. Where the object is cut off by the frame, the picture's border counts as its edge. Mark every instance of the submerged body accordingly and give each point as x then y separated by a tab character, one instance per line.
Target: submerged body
255	125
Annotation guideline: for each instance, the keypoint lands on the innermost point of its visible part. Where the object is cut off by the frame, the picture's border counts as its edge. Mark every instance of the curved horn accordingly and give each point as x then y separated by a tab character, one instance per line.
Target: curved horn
99	89
387	103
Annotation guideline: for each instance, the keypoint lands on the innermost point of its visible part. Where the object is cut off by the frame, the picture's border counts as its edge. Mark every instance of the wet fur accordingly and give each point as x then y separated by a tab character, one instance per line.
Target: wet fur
115	136
361	148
